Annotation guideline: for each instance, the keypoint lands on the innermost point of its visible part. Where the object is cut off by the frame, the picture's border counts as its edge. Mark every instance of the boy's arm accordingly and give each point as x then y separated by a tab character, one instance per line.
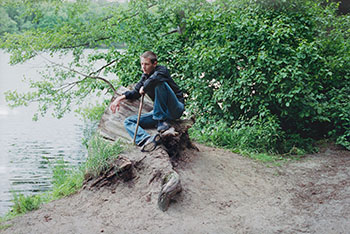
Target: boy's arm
116	103
135	93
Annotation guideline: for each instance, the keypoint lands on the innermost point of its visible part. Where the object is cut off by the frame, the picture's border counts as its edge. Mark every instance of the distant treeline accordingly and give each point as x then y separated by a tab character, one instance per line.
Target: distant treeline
16	17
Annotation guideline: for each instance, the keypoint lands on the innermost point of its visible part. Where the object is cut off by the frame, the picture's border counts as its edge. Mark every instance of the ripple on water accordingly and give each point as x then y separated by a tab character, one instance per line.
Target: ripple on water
27	160
29	149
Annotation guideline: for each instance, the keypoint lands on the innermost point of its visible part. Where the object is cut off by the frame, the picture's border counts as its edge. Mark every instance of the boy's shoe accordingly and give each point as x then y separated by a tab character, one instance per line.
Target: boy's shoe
162	126
151	143
143	141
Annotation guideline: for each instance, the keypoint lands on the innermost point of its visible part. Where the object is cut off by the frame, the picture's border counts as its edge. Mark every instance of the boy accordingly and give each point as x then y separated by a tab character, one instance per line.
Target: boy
166	95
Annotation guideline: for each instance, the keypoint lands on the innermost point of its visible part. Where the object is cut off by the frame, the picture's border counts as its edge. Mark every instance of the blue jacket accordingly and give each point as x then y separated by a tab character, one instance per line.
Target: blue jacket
149	82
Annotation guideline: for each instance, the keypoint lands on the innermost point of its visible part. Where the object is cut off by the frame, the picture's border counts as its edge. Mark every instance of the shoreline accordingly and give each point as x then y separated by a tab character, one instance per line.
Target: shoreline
223	193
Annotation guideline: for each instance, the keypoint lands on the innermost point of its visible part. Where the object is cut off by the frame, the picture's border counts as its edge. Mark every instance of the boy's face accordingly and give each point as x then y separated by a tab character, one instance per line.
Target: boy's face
147	66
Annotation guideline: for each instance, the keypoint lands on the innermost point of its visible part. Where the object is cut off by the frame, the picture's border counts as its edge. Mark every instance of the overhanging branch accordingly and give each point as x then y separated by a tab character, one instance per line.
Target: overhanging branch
91	75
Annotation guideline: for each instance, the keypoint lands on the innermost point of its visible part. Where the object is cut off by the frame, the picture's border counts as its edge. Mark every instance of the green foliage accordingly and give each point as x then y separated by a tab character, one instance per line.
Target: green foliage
44	14
101	154
254	135
245	63
92	112
6	23
344	139
270	61
4	227
66	180
24	204
91	115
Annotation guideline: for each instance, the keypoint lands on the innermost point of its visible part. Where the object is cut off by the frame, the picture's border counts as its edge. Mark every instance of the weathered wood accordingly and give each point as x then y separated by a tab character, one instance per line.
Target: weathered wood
157	163
111	125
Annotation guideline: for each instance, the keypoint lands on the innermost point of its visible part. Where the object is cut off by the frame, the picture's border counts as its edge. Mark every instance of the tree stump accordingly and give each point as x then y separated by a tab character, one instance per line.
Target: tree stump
158	163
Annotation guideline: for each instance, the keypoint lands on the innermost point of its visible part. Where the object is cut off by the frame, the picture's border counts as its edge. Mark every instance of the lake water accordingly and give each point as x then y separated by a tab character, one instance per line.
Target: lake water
27	147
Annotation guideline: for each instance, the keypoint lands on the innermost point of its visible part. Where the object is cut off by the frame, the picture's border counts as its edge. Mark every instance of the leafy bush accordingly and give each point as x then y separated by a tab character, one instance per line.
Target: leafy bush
255	135
281	62
286	61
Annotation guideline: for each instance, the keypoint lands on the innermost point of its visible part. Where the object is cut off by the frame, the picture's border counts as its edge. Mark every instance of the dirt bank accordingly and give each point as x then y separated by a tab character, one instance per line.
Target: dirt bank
223	193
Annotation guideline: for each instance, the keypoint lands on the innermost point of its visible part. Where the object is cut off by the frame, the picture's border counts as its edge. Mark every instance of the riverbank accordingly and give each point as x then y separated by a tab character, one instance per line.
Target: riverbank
223	193
29	149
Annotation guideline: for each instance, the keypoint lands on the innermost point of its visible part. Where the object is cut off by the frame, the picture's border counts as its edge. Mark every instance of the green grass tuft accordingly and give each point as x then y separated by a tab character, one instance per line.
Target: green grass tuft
101	153
5	226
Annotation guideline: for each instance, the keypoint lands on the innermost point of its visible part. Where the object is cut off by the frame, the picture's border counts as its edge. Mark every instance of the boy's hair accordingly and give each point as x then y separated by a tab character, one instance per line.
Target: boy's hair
149	54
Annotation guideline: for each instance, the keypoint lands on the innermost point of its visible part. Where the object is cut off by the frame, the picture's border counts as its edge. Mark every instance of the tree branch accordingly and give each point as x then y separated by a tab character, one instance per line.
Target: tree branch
103	67
171	32
83	74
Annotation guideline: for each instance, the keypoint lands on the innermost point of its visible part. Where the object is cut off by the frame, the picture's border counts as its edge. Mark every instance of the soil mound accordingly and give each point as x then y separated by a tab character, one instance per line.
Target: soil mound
222	193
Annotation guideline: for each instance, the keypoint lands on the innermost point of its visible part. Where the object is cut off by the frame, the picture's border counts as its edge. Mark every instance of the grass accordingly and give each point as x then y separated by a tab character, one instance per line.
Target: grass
5	226
3	219
101	152
66	179
23	204
253	141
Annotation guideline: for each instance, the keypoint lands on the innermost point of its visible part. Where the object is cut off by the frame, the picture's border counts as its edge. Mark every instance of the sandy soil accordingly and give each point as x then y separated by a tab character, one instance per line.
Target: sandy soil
222	193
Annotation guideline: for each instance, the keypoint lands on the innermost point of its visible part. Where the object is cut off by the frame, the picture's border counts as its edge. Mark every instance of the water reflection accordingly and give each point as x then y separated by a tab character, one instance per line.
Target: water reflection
28	150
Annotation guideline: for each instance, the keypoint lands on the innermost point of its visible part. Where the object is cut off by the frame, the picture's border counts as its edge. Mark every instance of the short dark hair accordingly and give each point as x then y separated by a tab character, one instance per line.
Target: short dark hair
149	54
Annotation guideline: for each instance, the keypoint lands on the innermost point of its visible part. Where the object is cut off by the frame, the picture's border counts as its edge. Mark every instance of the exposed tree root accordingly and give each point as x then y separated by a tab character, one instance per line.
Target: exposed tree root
158	163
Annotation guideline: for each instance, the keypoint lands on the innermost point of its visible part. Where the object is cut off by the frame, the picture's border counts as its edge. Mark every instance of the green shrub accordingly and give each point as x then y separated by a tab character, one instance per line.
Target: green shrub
344	139
240	61
254	135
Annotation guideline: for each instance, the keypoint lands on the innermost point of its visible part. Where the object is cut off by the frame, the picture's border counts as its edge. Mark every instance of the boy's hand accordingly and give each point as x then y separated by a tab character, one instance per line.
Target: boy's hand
141	91
116	103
